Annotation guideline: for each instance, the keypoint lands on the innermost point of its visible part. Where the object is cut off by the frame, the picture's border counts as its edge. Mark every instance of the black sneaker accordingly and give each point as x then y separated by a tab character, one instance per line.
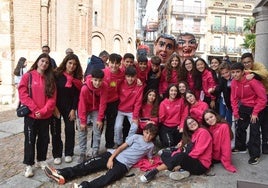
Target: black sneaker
235	151
148	176
254	160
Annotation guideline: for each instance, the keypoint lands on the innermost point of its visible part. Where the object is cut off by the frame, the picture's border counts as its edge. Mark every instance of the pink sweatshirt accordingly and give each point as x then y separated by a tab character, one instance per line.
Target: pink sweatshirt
202	149
197	110
146	113
250	93
39	101
172	113
222	145
208	82
130	97
92	99
113	81
163	85
190	81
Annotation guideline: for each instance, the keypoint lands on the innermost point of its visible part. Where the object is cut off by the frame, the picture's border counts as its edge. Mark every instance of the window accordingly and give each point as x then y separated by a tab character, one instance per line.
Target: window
217	23
232	25
197	25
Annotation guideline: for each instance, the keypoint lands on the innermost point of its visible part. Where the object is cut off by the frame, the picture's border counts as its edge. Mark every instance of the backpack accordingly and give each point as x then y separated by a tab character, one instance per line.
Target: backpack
94	63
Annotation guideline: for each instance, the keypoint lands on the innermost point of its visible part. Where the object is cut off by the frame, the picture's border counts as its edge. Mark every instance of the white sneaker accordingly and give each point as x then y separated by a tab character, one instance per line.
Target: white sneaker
41	164
179	175
57	161
28	171
68	159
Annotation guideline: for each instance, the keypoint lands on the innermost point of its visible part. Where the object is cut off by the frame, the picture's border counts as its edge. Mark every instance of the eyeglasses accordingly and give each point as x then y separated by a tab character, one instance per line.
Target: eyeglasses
247	63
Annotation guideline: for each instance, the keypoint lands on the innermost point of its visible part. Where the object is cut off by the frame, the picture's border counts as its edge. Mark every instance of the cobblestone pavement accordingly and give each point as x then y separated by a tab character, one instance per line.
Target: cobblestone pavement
12	168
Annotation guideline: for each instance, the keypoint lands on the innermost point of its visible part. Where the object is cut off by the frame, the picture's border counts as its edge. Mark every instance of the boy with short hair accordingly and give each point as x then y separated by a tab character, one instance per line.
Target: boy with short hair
128	60
92	102
142	68
113	76
130	97
153	77
117	161
248	99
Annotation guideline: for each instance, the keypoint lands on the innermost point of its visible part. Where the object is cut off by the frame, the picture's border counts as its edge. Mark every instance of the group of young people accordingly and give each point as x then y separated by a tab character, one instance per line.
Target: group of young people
171	95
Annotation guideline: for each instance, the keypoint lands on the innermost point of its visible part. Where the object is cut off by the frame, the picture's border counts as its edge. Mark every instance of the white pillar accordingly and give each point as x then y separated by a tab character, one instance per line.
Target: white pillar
261	15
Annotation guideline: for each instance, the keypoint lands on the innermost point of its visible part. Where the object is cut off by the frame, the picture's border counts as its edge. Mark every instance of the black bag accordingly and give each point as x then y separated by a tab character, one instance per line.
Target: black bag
23	110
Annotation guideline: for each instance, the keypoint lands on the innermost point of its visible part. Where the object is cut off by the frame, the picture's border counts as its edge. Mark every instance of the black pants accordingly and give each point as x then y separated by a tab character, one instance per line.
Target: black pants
35	131
194	166
110	113
241	132
94	165
264	126
57	145
169	136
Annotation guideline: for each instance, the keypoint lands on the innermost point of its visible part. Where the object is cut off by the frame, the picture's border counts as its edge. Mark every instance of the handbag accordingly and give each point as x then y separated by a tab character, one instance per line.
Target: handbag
23	110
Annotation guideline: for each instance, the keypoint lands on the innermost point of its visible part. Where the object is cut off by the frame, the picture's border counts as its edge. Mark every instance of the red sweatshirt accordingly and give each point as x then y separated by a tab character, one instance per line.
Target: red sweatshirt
142	75
39	101
208	82
202	149
113	81
222	145
146	110
197	110
163	85
130	97
250	93
92	99
172	113
190	81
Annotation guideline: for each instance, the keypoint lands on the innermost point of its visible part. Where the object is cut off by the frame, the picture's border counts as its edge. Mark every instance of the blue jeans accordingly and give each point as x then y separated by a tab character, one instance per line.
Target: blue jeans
118	129
96	136
225	112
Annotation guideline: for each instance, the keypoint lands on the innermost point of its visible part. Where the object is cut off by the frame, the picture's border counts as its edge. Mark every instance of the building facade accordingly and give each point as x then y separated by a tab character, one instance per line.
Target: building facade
86	26
217	25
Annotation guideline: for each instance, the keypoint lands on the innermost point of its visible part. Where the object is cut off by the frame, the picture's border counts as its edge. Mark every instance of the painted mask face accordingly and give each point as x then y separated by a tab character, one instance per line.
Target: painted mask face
187	46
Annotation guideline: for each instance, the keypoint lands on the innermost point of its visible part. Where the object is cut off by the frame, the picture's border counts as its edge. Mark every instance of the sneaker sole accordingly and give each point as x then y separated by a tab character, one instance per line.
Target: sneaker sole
179	175
51	175
237	152
143	179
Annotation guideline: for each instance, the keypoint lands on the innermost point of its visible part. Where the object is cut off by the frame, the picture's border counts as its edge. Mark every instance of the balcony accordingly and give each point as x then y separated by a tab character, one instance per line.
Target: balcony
226	29
224	50
182	10
216	29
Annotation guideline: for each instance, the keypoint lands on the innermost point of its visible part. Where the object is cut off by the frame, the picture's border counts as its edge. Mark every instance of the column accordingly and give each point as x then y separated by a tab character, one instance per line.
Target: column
261	14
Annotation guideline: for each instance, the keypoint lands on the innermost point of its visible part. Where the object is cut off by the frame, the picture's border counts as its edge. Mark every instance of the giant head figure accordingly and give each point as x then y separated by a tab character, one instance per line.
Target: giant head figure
186	45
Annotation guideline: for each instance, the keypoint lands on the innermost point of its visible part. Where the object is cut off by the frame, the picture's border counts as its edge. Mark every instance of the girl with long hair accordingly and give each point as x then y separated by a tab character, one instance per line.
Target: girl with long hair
68	78
41	103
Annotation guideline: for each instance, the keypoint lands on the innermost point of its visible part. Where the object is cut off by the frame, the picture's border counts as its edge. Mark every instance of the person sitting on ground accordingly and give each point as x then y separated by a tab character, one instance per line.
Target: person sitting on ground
117	161
194	154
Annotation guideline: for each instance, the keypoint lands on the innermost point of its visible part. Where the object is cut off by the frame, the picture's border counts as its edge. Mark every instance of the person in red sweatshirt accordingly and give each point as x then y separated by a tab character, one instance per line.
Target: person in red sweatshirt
171	116
41	101
248	99
221	138
130	100
92	102
149	109
208	81
143	69
196	107
170	74
194	154
190	75
113	76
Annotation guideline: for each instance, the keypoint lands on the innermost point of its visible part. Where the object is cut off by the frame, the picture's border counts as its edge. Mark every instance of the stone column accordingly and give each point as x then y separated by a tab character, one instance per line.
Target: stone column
44	22
261	14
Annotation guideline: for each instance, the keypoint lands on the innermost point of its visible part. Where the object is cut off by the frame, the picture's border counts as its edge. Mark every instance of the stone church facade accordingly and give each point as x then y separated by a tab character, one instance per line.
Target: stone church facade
86	26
